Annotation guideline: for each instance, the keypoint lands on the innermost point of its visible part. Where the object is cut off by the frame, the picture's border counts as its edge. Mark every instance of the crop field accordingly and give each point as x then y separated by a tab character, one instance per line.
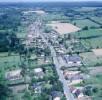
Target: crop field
34	11
63	28
98	19
95	70
89	33
84	9
97	52
93	43
91	38
90	59
54	17
85	22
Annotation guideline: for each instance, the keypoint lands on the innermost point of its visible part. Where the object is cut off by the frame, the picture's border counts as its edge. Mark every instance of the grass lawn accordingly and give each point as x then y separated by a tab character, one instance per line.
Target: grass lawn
85	22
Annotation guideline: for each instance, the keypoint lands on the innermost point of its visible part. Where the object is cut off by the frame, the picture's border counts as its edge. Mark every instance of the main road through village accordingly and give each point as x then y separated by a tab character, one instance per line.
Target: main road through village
35	30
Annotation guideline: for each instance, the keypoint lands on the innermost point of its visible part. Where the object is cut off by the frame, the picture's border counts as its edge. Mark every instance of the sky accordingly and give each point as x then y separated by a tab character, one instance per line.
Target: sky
43	0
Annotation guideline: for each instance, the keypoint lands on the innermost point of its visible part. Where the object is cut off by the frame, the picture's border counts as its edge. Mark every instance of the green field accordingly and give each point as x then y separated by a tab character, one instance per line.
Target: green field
9	62
22	31
98	19
85	22
96	81
91	38
54	17
89	33
92	43
84	9
89	59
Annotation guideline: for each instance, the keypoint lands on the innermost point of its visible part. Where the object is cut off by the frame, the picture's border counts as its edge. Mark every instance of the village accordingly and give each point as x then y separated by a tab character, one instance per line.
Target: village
53	58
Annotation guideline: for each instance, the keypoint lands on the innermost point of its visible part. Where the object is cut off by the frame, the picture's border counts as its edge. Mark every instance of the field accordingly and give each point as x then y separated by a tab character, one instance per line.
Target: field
90	59
92	43
85	22
21	33
97	52
95	70
34	11
91	38
98	19
63	28
54	17
91	33
9	62
84	9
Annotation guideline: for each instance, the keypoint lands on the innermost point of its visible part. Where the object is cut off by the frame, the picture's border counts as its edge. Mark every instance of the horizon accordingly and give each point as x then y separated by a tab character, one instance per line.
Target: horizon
18	1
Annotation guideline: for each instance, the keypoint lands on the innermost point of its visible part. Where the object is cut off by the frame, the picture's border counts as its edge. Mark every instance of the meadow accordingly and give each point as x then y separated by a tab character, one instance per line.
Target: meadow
91	38
98	19
85	22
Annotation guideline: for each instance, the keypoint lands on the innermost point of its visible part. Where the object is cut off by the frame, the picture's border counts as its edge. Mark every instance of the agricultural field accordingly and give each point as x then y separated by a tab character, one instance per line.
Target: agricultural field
95	82
84	9
54	17
87	37
9	62
98	19
34	11
85	22
91	33
93	43
90	59
97	52
63	28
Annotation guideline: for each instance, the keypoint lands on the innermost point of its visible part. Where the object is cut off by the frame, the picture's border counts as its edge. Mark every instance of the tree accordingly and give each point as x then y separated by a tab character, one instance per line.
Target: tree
85	28
27	96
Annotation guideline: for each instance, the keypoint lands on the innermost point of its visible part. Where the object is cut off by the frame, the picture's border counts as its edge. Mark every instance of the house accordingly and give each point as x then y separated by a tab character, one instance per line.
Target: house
85	98
13	75
77	92
37	88
38	72
56	95
74	77
72	60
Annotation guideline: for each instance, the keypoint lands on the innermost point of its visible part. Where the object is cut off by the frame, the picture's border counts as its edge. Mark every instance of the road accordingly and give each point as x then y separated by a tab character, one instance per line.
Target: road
58	65
36	29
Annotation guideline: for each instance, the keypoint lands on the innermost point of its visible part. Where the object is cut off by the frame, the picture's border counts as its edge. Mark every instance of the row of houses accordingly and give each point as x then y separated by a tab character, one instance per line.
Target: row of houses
37	87
16	74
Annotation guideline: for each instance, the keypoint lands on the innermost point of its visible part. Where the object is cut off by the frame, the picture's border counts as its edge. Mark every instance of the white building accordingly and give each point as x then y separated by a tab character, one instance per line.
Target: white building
38	72
13	75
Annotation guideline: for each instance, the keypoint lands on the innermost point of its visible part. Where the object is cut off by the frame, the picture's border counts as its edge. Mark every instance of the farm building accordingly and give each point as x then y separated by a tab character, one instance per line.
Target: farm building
74	77
38	72
13	75
77	92
72	60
